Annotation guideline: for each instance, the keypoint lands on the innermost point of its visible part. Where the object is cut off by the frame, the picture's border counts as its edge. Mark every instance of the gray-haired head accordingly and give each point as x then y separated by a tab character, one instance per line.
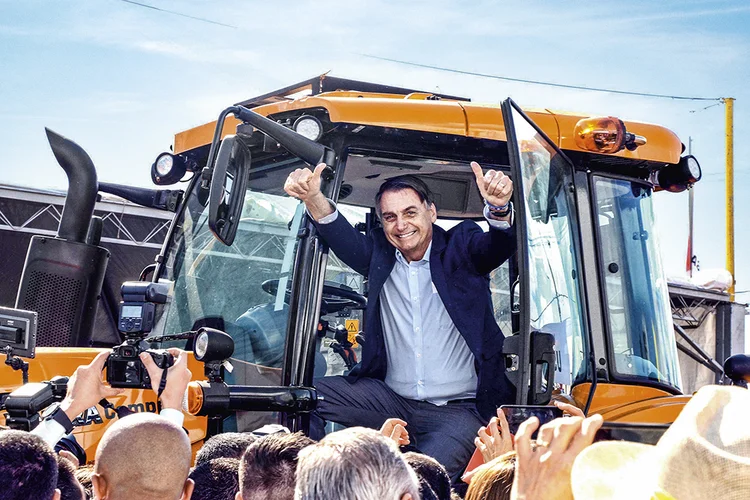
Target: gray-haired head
355	464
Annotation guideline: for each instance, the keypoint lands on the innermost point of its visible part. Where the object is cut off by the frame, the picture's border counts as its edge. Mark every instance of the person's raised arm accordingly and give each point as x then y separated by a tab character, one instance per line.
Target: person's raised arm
178	378
496	189
543	469
85	389
488	250
350	245
304	184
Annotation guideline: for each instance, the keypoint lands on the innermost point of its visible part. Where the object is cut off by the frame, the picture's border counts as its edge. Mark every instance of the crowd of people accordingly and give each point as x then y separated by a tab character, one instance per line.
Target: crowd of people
148	456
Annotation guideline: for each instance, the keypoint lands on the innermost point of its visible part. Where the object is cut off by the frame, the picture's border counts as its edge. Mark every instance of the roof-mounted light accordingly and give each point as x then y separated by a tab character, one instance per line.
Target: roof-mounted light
309	127
212	345
678	177
605	135
168	169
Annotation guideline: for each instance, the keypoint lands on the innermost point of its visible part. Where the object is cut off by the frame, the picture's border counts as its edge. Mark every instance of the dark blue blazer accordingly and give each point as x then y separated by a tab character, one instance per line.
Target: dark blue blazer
460	262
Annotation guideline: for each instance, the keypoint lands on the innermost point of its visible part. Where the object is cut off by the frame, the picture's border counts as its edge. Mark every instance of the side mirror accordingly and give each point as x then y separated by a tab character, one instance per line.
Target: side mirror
227	193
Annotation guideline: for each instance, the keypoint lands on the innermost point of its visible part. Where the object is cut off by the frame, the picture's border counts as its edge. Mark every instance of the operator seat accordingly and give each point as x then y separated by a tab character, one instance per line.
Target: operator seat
261	335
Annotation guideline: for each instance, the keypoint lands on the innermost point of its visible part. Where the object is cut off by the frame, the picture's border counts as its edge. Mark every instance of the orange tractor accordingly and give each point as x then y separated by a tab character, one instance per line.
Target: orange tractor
583	304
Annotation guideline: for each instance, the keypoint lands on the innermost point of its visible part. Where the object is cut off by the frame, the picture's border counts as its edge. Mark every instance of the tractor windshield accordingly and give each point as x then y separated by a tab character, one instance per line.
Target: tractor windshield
234	287
641	333
239	289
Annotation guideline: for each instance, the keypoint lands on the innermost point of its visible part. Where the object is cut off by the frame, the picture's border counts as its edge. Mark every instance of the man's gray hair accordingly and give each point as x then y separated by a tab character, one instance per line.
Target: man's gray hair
354	464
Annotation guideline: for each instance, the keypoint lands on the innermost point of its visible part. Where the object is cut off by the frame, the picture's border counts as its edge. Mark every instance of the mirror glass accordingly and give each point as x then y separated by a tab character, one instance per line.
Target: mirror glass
227	193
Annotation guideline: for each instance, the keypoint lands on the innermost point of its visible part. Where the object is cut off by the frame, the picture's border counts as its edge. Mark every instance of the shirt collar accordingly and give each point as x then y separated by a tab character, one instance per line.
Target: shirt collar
400	257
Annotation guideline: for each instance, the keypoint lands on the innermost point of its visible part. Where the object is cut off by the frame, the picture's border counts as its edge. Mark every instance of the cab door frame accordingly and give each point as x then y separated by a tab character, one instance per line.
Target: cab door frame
531	346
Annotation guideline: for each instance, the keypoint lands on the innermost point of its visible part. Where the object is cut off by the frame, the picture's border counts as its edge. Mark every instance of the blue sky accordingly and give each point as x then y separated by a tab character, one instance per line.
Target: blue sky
121	79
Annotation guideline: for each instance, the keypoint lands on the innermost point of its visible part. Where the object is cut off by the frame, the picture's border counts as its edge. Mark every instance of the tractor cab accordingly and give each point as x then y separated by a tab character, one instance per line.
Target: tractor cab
583	304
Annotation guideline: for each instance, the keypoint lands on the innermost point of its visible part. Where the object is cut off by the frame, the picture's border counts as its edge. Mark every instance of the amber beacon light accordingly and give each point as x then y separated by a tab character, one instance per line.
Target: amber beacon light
605	135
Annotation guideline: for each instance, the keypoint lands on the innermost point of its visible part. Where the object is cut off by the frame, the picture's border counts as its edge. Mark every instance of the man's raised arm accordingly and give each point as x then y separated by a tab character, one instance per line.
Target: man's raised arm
304	184
489	250
350	245
496	188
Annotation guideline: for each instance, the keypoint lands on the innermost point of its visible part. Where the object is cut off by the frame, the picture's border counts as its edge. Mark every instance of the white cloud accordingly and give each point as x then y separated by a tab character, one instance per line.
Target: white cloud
197	53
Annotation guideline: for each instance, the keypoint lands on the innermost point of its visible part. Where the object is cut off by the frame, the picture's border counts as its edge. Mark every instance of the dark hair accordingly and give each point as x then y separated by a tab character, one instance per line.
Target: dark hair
226	445
404	182
425	490
217	479
494	480
432	472
28	467
269	466
70	488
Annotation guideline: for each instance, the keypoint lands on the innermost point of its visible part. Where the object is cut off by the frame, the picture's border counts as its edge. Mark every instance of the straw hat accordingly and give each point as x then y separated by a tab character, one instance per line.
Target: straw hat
705	454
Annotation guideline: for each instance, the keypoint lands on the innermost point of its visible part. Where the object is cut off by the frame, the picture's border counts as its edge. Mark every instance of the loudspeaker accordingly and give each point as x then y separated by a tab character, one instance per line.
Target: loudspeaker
62	281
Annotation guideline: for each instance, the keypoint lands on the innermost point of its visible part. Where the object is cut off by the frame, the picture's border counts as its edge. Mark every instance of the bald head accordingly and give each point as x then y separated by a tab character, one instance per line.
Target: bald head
142	456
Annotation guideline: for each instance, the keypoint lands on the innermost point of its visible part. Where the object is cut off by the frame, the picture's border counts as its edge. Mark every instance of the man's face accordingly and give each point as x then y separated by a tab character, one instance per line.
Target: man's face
407	222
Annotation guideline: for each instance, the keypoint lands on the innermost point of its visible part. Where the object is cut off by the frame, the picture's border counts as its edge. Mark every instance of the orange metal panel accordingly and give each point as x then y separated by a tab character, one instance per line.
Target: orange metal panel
202	135
484	122
53	361
631	403
444	117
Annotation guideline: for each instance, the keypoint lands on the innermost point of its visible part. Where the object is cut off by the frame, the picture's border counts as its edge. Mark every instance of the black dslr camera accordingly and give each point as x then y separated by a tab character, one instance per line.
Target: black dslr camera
124	367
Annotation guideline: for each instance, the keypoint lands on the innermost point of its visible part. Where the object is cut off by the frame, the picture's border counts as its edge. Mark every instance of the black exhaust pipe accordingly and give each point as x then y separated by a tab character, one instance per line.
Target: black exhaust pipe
82	187
63	276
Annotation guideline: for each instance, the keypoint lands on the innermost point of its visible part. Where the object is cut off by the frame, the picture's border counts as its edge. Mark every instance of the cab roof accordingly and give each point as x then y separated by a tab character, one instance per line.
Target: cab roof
369	104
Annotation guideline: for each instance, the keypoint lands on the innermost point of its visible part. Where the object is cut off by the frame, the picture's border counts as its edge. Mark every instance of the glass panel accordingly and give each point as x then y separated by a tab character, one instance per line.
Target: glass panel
500	283
638	309
501	303
551	226
239	289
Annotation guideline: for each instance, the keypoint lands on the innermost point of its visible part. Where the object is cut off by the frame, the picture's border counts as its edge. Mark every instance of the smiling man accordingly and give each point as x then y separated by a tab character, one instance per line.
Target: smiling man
433	351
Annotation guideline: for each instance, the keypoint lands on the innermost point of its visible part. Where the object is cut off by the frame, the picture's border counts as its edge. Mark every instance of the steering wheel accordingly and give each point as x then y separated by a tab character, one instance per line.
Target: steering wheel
336	296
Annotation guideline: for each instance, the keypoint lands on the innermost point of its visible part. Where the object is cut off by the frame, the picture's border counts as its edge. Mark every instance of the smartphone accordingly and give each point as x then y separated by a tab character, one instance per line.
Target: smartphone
516	414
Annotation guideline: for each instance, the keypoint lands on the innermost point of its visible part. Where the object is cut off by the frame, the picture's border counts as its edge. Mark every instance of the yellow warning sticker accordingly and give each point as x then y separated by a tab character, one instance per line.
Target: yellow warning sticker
352	328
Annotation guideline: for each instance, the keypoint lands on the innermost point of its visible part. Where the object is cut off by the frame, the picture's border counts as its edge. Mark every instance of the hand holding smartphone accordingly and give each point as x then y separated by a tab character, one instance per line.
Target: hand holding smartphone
517	414
514	415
